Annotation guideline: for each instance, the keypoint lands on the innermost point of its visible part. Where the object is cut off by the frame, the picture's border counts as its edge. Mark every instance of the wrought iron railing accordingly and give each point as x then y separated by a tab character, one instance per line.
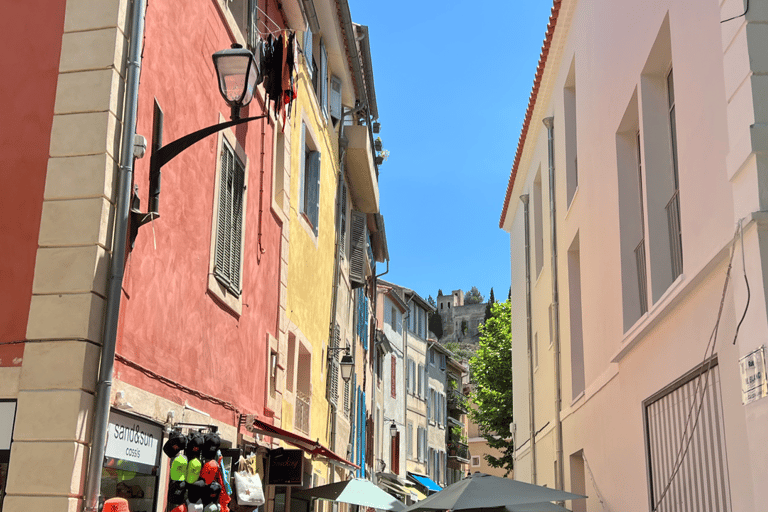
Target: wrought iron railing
301	420
458	450
675	234
642	276
456	402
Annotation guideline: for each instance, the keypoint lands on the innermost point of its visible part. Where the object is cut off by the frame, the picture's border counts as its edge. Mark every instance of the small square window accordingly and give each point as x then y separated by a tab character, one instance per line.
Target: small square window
475	461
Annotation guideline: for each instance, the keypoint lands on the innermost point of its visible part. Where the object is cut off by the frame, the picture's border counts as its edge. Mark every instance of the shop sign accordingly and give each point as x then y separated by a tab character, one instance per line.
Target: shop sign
286	468
7	415
754	385
133	440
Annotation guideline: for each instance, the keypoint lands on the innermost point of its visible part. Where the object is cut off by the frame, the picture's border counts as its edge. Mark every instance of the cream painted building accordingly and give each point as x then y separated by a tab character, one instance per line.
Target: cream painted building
640	177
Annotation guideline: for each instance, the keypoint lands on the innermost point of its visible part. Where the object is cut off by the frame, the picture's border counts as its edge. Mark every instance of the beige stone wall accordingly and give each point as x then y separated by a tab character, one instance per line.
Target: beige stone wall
55	385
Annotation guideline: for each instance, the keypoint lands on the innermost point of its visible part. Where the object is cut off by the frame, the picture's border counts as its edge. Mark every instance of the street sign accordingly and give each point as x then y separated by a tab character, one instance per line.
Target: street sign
754	385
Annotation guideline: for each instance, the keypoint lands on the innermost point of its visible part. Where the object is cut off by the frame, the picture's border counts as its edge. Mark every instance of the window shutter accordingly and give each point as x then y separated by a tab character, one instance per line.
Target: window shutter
229	221
253	19
359	235
313	184
408	379
323	79
394	376
308	50
430	408
332	391
343	220
335	97
303	170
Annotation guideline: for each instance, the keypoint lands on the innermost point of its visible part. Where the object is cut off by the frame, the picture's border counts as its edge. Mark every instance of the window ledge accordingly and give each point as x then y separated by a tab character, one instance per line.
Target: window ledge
676	292
224	297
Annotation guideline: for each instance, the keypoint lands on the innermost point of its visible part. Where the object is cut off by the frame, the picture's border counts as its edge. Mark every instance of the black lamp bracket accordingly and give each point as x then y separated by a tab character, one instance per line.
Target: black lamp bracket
163	155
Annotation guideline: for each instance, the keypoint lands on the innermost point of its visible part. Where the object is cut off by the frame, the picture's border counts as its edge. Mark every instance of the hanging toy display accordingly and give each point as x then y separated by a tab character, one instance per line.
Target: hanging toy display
196	480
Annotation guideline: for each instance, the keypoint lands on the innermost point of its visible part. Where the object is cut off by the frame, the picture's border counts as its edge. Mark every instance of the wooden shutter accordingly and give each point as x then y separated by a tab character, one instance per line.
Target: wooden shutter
303	170
323	92
343	219
394	376
313	189
395	459
332	391
229	229
359	234
253	19
308	50
335	97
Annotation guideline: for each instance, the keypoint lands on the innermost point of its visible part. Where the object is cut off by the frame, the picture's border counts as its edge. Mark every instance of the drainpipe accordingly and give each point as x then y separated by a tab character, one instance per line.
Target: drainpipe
123	200
531	403
549	123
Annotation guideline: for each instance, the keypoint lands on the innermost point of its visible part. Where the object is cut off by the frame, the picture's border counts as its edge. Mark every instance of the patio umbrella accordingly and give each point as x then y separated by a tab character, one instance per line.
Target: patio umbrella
528	507
481	491
357	492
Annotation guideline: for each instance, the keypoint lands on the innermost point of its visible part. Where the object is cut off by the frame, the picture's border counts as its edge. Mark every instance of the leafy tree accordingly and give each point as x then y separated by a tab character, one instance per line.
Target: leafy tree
432	302
435	324
492	372
473	296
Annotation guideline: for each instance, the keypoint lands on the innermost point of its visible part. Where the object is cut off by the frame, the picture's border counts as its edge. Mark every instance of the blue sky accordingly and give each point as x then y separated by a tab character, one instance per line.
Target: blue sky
452	86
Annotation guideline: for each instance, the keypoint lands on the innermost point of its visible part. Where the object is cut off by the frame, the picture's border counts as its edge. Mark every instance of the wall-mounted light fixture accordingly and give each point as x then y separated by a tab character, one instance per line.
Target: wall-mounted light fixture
237	71
347	363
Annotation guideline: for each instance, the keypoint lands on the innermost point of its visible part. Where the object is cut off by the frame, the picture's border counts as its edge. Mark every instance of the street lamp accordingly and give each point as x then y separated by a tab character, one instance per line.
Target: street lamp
237	71
347	364
393	428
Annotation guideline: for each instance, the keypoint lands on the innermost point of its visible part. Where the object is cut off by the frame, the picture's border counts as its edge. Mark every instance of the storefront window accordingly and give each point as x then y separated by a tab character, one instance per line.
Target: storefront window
7	418
131	462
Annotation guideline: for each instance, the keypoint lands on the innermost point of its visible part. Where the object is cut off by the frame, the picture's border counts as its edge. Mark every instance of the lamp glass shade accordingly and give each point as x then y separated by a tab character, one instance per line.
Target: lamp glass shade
237	71
347	364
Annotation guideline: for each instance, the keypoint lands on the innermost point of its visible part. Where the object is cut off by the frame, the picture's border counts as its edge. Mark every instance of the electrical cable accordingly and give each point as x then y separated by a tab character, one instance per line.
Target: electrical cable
594	483
746	8
706	366
746	281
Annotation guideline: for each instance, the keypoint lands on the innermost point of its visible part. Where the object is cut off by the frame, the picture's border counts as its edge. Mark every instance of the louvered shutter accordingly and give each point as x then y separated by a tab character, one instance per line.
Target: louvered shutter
303	170
230	221
323	79
332	391
359	235
408	378
335	97
313	189
253	19
394	376
343	220
308	50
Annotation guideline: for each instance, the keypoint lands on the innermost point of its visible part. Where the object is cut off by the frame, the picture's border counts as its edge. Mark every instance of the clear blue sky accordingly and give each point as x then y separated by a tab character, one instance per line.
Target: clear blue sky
452	86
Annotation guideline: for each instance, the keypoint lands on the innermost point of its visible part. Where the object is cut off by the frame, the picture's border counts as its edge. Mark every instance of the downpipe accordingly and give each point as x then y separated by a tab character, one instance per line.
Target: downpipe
119	241
549	122
531	403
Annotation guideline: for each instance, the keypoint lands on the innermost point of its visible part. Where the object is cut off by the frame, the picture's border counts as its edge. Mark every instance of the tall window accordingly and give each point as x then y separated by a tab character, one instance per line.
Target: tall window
310	180
569	115
673	207
574	300
229	224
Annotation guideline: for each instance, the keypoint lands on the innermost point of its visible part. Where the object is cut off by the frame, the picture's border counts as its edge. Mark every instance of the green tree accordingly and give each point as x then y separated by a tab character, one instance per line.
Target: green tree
492	373
473	296
491	302
435	324
432	302
463	354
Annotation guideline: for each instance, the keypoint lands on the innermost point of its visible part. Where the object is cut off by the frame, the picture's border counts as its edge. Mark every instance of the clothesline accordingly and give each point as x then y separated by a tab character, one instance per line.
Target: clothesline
268	32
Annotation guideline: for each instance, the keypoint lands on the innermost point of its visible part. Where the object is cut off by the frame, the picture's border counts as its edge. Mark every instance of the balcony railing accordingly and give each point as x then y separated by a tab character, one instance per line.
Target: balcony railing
456	402
458	451
642	276
301	420
675	234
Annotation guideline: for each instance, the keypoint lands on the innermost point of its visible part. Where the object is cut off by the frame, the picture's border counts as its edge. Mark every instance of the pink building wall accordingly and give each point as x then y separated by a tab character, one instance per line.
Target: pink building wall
170	324
27	96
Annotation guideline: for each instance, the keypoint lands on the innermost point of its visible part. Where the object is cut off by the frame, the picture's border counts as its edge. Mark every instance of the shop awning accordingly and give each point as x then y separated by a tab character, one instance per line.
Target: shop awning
425	481
313	448
415	493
